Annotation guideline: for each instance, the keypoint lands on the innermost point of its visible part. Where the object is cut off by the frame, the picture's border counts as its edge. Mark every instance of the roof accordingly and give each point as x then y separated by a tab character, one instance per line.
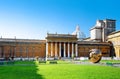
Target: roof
114	32
61	35
110	20
92	43
20	40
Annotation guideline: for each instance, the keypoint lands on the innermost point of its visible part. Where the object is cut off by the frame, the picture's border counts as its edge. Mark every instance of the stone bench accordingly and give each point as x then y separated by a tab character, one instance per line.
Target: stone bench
9	62
53	62
1	63
6	62
42	61
109	64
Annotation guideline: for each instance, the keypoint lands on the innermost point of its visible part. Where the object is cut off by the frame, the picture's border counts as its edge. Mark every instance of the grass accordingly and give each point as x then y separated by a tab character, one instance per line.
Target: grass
77	71
104	61
111	61
62	70
18	71
24	62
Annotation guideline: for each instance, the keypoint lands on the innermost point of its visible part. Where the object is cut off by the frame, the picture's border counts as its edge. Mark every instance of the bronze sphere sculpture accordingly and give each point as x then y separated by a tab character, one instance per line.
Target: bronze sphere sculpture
95	55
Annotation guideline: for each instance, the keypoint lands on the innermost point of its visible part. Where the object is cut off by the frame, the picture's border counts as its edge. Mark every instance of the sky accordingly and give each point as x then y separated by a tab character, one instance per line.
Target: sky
33	19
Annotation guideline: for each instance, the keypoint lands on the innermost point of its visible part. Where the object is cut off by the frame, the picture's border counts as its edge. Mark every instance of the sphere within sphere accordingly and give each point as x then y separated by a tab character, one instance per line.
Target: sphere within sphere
95	55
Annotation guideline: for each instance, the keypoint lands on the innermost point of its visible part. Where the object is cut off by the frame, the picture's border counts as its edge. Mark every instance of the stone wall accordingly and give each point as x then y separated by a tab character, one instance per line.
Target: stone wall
84	48
114	38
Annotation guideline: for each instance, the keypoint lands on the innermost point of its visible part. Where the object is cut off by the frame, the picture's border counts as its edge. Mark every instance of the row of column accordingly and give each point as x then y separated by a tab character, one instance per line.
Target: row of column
11	52
64	48
7	52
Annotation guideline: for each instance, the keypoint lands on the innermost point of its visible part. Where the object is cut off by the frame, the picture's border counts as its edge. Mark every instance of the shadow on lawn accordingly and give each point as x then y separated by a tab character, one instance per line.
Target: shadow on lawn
19	72
35	74
38	76
28	70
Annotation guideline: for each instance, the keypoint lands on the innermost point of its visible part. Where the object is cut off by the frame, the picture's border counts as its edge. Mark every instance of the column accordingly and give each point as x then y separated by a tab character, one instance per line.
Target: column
64	50
68	50
51	49
72	49
46	50
59	49
56	49
1	52
10	52
15	51
27	53
4	51
21	51
33	52
76	47
119	53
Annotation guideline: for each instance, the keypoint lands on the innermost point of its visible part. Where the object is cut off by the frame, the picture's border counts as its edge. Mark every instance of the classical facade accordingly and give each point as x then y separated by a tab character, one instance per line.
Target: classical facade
103	37
61	45
114	38
21	48
66	45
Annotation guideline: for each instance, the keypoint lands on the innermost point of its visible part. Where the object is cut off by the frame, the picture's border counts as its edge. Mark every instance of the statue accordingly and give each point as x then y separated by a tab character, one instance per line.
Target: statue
95	55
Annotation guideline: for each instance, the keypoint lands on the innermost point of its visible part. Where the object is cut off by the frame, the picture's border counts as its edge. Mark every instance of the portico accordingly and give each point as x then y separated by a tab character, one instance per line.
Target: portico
61	45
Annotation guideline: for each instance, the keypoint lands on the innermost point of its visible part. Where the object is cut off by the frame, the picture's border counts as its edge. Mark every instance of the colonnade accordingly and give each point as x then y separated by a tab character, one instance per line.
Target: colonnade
7	51
13	51
61	49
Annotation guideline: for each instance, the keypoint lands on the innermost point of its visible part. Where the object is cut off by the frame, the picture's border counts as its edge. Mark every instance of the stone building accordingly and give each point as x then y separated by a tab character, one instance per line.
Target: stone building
61	45
66	45
103	37
114	39
84	48
21	48
102	29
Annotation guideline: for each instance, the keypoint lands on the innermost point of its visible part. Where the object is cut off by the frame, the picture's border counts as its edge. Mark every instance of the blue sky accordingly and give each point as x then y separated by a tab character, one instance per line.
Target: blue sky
32	19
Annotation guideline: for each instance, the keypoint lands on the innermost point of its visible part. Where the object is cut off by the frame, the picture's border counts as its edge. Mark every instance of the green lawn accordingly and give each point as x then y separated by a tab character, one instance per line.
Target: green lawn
78	71
110	61
20	70
62	70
